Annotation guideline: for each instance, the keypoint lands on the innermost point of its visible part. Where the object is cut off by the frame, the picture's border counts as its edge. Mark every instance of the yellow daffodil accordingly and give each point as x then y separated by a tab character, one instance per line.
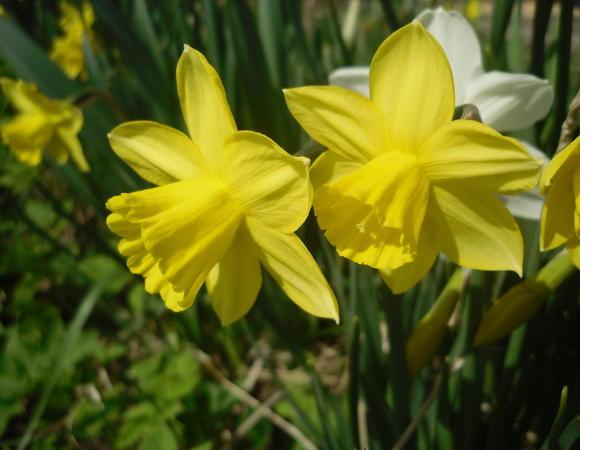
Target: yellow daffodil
400	181
67	49
41	124
560	216
226	200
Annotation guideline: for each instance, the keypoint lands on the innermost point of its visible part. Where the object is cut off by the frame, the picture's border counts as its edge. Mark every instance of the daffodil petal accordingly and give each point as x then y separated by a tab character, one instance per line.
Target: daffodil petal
557	224
561	165
73	148
186	226
403	278
22	95
159	154
203	103
411	83
476	230
510	101
234	282
352	227
329	167
343	121
460	44
354	78
272	186
468	151
577	211
73	119
293	267
574	247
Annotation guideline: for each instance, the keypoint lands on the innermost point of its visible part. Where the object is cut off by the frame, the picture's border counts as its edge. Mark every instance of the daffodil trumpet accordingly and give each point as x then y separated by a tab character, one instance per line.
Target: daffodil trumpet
227	201
401	181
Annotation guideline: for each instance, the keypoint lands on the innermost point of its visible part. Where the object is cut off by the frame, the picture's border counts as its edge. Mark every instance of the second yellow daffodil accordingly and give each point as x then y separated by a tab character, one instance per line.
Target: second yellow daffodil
560	216
226	201
400	181
41	124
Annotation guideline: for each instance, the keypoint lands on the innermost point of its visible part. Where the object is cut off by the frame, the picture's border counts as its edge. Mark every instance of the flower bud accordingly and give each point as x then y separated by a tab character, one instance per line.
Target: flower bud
522	301
429	333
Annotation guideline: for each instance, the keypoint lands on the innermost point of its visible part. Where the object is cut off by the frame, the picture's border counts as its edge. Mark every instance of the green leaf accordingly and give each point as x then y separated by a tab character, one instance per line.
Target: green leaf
92	64
570	435
500	20
141	419
30	62
161	438
99	267
559	420
168	376
354	378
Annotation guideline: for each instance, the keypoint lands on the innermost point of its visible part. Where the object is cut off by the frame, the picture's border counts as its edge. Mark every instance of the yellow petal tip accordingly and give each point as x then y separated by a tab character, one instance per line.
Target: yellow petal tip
116	202
518	269
287	92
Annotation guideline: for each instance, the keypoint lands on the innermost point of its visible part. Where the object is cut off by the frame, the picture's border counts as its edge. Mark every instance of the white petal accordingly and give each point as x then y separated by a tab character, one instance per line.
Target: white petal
535	152
460	43
527	205
353	78
508	101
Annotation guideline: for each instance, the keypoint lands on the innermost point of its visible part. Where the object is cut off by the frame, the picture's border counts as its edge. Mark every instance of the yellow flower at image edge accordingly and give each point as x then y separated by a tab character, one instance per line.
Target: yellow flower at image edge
67	49
400	181
227	201
41	124
560	216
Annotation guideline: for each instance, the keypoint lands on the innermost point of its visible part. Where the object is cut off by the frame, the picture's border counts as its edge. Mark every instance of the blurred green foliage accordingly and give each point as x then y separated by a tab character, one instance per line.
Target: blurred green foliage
89	360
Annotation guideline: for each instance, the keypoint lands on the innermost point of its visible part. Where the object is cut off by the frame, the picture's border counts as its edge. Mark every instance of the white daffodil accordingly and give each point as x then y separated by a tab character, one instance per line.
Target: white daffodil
506	101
